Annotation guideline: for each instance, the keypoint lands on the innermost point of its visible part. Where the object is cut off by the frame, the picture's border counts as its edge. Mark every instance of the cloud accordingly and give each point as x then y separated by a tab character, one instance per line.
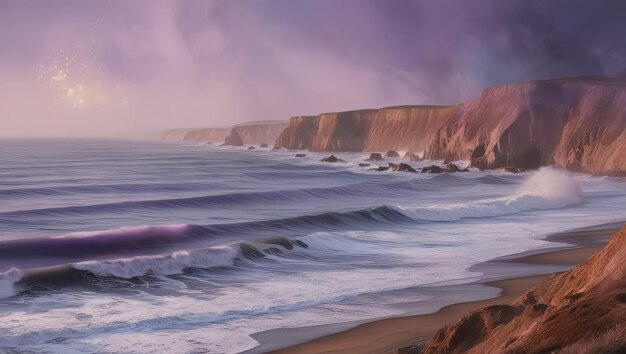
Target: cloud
161	64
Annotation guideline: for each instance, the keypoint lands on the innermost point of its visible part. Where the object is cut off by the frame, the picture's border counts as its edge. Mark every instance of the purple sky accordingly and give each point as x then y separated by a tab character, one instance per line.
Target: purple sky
101	67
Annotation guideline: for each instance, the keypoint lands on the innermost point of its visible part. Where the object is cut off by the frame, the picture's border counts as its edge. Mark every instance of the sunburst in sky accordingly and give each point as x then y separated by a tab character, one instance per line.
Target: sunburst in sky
74	78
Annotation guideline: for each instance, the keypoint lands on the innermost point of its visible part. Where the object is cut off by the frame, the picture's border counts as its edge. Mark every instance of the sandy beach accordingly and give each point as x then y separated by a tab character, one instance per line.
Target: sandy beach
398	335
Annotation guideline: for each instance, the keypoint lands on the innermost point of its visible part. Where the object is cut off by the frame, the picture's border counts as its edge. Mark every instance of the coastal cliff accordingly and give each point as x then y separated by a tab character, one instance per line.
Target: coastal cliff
256	133
396	128
577	123
579	311
196	134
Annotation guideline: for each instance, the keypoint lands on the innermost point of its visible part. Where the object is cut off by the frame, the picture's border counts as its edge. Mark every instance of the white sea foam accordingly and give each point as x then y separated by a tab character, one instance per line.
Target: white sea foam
548	188
168	264
8	280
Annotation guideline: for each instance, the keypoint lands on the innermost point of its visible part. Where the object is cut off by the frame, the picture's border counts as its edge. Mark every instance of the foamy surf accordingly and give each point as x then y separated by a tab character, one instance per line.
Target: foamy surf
169	264
8	280
548	188
242	242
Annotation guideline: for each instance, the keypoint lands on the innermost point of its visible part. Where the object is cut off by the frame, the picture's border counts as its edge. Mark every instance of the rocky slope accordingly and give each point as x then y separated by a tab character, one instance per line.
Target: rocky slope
397	128
256	133
582	308
578	123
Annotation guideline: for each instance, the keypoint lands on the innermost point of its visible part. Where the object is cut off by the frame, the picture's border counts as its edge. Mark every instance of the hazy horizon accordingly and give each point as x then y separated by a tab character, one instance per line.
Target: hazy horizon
85	68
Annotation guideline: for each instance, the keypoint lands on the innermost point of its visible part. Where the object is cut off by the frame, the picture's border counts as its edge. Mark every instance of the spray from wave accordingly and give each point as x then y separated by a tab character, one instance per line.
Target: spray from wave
7	282
548	188
168	264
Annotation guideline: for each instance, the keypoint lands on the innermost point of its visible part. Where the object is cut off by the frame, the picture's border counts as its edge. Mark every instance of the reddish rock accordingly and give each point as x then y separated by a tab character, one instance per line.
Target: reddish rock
398	128
577	123
582	308
574	123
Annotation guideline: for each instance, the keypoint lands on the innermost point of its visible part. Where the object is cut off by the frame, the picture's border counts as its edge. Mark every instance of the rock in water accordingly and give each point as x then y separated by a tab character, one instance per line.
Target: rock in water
432	169
363	164
233	140
452	168
332	158
251	148
409	156
514	169
403	167
392	153
375	156
300	155
264	145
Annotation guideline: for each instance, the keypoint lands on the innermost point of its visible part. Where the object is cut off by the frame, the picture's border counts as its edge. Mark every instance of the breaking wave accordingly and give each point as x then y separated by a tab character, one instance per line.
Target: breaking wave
548	188
170	249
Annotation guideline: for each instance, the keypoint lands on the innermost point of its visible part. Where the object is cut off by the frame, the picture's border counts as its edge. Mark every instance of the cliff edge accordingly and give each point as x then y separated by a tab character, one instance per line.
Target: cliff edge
579	311
577	123
391	128
260	132
196	134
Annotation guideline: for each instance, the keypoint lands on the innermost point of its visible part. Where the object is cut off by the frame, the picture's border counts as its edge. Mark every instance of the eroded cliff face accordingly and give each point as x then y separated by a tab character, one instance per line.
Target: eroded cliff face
576	123
395	128
582	308
257	133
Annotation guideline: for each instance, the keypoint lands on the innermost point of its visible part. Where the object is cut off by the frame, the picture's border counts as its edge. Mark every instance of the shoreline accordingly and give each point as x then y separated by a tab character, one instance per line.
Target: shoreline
394	333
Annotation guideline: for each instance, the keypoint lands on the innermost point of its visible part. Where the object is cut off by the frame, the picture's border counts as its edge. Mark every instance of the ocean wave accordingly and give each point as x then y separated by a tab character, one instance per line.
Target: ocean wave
101	189
366	189
547	188
84	245
135	267
169	264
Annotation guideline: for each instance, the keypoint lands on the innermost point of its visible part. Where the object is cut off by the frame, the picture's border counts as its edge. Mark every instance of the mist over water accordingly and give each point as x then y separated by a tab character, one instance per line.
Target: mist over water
153	246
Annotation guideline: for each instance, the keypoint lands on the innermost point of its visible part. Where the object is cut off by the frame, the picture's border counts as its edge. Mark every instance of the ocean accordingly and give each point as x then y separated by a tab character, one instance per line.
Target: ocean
151	247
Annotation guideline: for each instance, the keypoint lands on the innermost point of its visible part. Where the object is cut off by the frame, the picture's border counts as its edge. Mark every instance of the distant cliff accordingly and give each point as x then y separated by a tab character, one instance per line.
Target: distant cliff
576	123
196	134
398	128
256	133
579	311
251	133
